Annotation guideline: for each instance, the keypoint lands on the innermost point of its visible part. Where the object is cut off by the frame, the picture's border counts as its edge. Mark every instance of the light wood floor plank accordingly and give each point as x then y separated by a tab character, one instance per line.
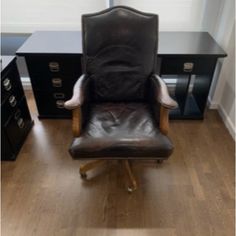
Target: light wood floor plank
190	194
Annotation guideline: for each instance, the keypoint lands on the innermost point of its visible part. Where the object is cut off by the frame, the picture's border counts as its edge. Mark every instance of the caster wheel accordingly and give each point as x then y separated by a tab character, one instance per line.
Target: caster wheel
83	176
160	161
131	189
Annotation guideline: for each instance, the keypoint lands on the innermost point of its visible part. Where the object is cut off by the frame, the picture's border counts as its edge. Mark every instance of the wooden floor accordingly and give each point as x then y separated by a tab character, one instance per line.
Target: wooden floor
190	194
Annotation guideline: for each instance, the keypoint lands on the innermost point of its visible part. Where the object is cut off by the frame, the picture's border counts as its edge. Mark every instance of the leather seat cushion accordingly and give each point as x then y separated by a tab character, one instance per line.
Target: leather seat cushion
121	130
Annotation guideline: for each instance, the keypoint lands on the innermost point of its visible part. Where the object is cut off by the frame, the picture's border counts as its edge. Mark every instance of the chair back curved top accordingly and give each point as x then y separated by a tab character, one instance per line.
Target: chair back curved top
119	49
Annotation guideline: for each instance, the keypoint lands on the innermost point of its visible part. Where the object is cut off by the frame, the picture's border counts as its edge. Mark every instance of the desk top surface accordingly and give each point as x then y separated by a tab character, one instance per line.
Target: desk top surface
6	61
170	44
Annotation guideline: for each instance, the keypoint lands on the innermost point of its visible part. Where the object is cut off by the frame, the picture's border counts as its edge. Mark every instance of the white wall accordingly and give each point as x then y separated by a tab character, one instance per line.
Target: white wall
226	86
174	15
224	94
27	16
219	21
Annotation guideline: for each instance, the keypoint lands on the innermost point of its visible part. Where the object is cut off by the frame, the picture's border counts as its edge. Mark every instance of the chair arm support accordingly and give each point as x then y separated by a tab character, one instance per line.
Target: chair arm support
76	102
79	93
164	120
161	93
76	121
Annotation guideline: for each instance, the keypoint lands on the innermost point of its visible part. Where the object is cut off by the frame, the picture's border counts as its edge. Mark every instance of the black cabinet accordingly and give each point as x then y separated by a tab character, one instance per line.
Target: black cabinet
16	121
186	61
189	80
53	78
7	153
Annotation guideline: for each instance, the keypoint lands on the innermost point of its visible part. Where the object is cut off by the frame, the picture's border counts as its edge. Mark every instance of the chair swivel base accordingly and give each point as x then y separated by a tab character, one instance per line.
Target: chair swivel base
126	166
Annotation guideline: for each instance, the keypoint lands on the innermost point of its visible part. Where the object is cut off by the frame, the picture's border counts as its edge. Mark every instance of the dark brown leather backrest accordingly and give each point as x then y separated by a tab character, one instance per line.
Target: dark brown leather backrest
119	47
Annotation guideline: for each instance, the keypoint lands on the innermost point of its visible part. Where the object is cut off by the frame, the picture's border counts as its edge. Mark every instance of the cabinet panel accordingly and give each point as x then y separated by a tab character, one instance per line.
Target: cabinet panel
192	76
200	90
190	92
18	125
11	84
6	150
16	121
53	78
11	102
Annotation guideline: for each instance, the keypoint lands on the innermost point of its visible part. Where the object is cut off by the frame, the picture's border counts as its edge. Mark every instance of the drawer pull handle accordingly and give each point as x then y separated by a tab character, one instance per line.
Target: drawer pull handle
188	67
17	115
57	82
12	100
54	66
7	84
59	95
60	104
21	123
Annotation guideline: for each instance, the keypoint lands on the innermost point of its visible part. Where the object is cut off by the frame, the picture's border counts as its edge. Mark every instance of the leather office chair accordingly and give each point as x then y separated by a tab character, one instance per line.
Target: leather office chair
120	106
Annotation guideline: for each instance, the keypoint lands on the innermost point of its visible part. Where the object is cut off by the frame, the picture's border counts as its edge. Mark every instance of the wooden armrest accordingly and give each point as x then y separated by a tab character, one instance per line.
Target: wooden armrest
75	103
79	93
76	121
164	120
162	94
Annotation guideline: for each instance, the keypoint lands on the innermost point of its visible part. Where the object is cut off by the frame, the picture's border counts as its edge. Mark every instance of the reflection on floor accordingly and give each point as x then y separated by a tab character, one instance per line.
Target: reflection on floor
190	194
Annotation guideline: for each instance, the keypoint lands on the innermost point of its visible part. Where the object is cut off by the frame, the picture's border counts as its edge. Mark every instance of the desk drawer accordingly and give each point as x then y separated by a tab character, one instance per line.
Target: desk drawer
11	84
53	83
187	65
51	104
18	125
10	104
54	66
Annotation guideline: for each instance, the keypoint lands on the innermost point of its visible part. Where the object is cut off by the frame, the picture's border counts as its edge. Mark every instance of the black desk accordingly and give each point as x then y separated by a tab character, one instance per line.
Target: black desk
186	61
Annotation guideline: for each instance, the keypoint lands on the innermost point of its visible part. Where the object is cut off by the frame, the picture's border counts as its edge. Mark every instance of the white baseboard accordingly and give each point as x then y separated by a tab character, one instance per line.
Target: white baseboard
225	118
228	123
211	104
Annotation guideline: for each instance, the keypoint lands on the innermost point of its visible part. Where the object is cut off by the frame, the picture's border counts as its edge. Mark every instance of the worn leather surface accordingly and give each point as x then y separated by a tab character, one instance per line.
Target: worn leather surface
120	47
121	130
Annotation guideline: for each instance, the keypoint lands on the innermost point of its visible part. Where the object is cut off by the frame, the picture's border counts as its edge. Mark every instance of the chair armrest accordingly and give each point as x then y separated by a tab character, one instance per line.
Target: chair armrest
162	102
76	102
79	93
161	93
